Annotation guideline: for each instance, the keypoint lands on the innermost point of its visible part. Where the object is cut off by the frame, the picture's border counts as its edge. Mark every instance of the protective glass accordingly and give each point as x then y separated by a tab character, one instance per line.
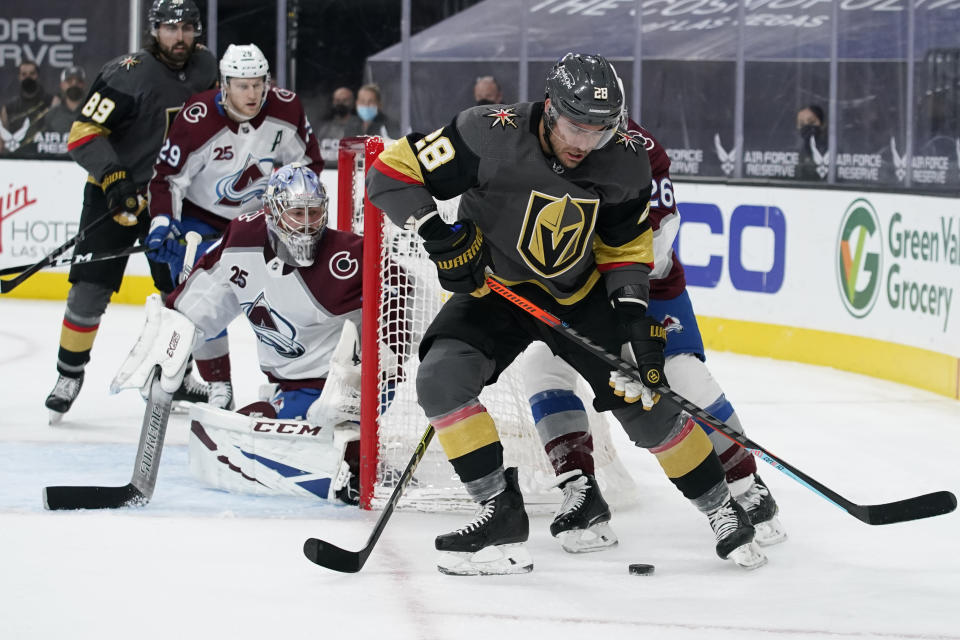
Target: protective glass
580	136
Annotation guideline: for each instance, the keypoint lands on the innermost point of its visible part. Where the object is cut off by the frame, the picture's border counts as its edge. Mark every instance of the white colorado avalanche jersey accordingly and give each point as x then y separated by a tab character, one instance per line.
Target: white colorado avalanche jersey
296	312
215	169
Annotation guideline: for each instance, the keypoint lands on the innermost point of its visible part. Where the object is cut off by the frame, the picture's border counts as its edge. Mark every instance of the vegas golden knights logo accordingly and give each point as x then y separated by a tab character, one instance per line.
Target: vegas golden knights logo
556	231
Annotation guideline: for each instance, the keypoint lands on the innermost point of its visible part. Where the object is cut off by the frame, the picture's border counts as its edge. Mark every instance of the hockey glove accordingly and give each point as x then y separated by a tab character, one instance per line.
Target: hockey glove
121	196
460	254
163	240
644	339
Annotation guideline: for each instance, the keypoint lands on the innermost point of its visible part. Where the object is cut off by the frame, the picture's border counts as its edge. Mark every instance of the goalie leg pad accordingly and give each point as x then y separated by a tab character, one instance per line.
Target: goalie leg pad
260	456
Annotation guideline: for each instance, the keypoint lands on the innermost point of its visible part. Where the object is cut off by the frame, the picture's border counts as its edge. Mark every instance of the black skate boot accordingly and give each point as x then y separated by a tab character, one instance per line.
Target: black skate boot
582	523
492	544
61	398
735	535
762	510
191	390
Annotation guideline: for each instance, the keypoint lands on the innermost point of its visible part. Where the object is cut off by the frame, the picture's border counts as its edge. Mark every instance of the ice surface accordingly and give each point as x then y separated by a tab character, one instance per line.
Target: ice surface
199	563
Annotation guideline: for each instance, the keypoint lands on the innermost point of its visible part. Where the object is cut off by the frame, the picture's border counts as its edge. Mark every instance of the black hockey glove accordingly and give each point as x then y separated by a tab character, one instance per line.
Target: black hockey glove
460	254
644	338
121	196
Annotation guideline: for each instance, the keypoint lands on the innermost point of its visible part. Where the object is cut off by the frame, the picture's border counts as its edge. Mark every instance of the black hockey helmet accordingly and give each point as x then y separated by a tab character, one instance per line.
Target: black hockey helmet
587	90
173	11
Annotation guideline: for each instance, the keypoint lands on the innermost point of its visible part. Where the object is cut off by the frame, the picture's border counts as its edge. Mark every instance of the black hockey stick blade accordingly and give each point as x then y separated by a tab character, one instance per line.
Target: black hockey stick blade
927	506
146	466
916	508
61	498
333	557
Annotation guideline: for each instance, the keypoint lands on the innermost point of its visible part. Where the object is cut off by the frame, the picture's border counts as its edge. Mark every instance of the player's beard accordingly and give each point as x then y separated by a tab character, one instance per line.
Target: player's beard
177	54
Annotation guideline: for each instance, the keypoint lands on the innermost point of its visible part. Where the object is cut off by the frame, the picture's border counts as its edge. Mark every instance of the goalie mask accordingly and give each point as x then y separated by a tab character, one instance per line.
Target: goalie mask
244	81
174	11
584	90
296	205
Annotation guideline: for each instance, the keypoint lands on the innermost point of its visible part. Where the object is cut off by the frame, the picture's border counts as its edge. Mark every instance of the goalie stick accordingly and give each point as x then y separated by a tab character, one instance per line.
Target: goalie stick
140	489
925	506
333	557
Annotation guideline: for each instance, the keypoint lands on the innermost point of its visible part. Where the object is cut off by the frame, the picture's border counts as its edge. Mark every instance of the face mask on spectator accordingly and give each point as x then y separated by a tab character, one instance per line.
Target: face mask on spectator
74	93
484	101
367	112
29	86
340	109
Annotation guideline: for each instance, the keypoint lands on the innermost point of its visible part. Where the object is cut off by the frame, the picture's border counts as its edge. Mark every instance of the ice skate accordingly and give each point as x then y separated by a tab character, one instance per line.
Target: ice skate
493	542
221	395
735	535
762	510
582	523
191	390
61	398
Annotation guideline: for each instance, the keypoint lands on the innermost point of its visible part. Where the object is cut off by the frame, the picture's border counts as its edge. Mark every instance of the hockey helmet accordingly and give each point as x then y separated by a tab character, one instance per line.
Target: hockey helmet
244	61
586	90
296	203
174	11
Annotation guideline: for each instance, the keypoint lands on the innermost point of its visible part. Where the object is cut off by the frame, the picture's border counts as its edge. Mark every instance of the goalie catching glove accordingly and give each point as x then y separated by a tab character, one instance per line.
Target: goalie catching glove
459	251
644	339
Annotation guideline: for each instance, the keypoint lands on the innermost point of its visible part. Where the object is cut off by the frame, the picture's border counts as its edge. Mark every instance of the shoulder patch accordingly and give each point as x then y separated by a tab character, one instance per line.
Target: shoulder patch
284	95
502	116
195	112
633	140
130	61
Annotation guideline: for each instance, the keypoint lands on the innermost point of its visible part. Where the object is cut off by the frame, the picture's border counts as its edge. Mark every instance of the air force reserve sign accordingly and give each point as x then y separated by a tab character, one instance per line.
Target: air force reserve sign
555	232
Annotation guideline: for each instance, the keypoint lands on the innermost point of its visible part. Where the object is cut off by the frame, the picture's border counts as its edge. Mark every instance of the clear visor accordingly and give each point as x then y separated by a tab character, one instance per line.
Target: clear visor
582	136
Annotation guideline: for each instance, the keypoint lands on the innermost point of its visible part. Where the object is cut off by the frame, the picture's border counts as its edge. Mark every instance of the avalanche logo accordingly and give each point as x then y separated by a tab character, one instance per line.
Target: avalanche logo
859	257
342	266
272	329
246	184
671	324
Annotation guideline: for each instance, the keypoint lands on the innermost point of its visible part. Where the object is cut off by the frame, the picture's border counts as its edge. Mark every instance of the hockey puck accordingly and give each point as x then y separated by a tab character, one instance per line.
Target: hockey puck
641	569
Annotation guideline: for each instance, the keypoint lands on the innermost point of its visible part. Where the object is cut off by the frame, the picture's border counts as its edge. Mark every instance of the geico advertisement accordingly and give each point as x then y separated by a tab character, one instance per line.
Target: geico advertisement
40	203
875	265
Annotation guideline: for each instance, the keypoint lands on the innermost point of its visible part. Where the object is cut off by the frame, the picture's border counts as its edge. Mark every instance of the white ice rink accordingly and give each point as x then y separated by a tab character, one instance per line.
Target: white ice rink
198	563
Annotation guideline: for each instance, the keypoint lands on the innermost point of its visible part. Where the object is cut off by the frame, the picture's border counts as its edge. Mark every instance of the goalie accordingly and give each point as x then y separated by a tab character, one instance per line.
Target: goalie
299	286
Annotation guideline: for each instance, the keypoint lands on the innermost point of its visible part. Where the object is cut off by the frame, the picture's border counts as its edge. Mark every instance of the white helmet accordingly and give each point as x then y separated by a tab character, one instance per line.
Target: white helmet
243	61
294	238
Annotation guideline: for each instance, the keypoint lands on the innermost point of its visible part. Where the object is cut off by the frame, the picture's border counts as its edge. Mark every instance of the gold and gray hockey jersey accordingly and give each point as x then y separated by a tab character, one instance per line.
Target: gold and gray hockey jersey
128	109
557	228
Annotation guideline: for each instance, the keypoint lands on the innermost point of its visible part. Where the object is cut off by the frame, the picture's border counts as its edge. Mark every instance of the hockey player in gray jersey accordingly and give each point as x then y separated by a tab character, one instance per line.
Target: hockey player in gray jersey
116	139
557	210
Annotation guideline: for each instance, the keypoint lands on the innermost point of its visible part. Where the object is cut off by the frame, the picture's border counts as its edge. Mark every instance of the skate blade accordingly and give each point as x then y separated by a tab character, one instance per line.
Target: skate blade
596	538
54	418
496	560
770	532
748	556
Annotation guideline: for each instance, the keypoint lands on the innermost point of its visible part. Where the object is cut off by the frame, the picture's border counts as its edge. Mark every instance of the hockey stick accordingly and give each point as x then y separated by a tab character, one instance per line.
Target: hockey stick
9	285
193	240
925	506
64	261
333	557
145	470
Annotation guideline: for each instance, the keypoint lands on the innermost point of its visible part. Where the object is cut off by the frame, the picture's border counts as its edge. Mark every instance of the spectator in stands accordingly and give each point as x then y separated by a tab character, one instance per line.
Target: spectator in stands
342	117
373	121
52	139
810	124
486	90
20	117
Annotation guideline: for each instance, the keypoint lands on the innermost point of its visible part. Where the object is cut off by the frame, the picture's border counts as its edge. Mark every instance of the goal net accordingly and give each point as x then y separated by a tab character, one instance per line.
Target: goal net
392	423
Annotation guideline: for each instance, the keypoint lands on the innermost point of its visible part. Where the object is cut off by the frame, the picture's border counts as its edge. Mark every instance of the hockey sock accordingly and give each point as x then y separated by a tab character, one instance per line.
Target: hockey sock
470	440
564	430
76	341
737	461
215	369
688	459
